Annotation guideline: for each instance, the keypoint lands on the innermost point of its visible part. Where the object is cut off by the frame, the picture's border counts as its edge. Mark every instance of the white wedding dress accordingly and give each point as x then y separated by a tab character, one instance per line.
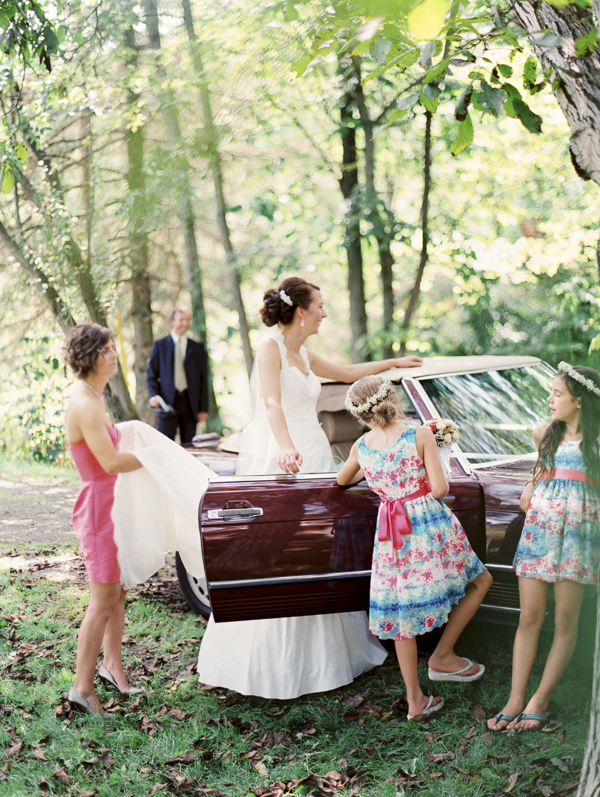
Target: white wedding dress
288	656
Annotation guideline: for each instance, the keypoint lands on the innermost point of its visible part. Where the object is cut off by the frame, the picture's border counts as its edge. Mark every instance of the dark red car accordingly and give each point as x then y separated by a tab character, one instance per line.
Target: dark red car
285	545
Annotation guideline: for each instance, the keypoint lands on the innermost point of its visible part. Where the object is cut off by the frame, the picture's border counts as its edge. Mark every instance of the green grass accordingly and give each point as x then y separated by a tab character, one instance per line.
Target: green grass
179	739
12	468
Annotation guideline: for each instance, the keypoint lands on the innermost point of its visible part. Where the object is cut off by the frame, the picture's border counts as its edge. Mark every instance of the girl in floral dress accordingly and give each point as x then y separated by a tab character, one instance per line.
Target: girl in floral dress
424	573
560	542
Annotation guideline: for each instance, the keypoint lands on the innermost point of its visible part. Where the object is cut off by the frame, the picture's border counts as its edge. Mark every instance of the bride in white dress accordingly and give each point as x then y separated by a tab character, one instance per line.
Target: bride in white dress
291	656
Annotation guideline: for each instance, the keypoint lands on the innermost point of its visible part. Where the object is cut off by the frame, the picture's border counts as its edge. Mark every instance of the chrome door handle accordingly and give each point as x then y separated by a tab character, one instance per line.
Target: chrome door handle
246	512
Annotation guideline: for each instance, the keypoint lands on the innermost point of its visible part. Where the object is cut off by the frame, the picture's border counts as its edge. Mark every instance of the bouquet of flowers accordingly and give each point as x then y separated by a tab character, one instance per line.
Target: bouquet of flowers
444	430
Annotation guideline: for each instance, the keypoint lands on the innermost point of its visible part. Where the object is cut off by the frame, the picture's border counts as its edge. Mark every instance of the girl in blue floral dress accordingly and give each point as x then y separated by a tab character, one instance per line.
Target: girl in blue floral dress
424	572
560	542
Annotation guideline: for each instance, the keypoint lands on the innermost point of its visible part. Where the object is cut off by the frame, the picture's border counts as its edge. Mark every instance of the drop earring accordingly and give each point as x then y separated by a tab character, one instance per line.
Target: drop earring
302	323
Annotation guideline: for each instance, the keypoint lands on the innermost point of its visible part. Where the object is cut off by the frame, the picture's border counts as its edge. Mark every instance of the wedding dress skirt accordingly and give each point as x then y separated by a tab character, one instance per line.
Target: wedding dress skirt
288	656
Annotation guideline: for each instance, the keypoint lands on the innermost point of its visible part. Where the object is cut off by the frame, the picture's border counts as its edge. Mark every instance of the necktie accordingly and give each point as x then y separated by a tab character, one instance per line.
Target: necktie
180	380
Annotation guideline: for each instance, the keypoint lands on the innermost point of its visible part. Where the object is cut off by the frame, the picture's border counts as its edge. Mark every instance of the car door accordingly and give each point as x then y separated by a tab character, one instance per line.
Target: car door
298	545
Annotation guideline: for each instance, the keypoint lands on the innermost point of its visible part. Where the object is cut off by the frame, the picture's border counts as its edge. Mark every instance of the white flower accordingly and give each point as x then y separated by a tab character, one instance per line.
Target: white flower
447	439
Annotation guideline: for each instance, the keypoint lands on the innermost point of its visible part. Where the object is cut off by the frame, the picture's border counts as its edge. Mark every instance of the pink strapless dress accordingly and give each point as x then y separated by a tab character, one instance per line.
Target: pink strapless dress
92	522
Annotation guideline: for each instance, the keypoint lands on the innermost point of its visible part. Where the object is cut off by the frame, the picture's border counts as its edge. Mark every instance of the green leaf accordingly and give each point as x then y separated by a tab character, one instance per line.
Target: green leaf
505	70
594	345
380	49
464	137
530	120
300	66
21	152
430	104
438	71
547	40
409	58
407	102
489	99
585	45
8	181
530	73
426	19
462	106
427	54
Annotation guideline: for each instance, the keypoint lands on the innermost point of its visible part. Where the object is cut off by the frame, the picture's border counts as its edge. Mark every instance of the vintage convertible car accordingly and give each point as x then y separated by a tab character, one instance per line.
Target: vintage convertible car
282	545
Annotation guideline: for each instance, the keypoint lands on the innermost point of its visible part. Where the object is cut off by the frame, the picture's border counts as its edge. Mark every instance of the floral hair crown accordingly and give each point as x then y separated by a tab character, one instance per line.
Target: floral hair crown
567	369
384	389
285	298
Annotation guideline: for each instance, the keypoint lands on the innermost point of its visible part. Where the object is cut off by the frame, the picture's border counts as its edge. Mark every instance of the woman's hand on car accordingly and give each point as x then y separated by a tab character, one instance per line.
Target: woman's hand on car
290	460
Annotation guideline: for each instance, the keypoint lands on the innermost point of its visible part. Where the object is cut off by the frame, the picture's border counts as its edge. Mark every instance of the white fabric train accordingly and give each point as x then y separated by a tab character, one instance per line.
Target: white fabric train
156	508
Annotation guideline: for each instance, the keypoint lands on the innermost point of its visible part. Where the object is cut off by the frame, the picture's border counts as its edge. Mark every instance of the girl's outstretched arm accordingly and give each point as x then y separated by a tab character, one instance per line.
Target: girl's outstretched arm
428	451
525	499
350	472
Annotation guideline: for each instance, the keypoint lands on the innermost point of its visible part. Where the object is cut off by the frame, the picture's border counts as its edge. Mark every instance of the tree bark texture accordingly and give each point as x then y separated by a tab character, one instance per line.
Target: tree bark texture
349	186
185	213
589	783
216	165
414	296
379	216
141	286
578	90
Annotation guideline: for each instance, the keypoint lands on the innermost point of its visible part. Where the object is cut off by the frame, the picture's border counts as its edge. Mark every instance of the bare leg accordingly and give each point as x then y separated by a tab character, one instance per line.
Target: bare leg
568	596
103	600
443	657
533	595
113	636
406	651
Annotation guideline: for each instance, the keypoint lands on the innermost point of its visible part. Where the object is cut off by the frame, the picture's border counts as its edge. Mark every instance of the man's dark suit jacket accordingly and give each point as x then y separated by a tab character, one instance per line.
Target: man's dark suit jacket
161	372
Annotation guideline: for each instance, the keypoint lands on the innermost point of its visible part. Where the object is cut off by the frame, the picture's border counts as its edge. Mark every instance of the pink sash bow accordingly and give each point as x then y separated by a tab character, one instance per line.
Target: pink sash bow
393	520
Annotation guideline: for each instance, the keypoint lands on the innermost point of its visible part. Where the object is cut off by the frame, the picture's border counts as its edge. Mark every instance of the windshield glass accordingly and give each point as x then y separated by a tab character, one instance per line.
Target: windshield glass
495	410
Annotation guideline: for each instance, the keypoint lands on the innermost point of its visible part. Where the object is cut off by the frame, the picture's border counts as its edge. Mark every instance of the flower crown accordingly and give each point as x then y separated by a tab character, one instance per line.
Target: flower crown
285	298
385	388
565	368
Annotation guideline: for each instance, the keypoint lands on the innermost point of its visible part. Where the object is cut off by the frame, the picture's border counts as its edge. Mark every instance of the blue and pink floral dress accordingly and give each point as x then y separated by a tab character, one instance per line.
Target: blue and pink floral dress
414	587
560	540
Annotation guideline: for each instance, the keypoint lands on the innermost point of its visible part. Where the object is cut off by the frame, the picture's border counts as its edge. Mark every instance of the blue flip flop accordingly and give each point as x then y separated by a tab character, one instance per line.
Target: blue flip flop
500	717
536	718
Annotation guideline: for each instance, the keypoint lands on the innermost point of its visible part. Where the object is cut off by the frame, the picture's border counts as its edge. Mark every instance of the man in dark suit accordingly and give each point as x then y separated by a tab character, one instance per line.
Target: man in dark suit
178	375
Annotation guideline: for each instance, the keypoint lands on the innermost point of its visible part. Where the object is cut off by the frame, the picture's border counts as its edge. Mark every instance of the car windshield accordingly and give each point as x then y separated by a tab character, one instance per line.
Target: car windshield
495	410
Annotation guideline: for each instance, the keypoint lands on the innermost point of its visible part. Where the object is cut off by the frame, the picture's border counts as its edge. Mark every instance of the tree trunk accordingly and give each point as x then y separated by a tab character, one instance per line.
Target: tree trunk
589	784
414	296
185	213
349	186
379	216
141	286
217	174
59	309
117	394
578	78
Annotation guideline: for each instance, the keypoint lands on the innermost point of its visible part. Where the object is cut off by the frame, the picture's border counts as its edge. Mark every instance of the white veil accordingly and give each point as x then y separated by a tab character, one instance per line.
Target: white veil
256	447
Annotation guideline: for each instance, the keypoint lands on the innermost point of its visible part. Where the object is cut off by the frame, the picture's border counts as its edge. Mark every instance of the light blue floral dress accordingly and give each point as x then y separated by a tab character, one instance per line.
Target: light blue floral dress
413	588
560	540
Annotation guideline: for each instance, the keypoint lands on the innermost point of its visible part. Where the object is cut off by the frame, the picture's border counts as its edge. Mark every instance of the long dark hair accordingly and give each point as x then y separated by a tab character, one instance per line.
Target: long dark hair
589	426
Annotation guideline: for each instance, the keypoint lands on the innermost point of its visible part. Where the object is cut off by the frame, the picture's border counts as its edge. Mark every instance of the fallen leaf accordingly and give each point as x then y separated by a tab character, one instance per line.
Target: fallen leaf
473	731
487	739
61	774
478	712
15	749
261	769
511	782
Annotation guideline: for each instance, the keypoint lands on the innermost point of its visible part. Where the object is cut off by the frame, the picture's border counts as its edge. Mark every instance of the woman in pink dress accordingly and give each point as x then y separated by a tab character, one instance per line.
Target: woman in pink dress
94	446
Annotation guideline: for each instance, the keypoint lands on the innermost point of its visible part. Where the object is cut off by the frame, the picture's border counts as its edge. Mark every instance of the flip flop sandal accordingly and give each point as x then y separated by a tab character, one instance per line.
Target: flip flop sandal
500	717
436	675
536	717
429	708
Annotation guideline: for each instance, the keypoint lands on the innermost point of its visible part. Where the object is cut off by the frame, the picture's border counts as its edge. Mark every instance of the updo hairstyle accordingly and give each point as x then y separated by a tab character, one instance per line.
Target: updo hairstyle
276	310
384	412
83	347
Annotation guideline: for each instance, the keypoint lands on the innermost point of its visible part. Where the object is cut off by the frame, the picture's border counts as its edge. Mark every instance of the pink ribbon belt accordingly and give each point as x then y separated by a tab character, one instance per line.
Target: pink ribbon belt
393	520
567	473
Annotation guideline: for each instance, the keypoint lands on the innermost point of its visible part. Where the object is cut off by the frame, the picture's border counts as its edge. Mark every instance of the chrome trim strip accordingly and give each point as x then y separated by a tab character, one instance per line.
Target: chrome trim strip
509	568
265	582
